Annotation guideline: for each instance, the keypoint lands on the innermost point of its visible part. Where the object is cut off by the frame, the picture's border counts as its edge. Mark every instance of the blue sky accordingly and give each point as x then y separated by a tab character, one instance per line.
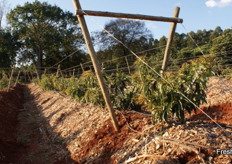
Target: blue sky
197	14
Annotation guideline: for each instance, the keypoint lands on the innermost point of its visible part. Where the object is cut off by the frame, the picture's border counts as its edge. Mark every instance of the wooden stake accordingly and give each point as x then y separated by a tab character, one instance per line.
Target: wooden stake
127	63
73	72
82	68
169	42
11	75
37	73
96	65
57	71
17	78
102	65
45	71
61	73
128	16
91	68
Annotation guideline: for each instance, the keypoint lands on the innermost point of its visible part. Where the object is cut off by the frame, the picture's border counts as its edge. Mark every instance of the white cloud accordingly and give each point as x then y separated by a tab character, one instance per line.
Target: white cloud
219	3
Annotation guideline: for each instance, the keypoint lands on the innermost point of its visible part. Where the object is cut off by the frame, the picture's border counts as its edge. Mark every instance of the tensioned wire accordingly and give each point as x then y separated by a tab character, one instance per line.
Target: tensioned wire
129	56
67	69
70	69
153	70
192	39
140	53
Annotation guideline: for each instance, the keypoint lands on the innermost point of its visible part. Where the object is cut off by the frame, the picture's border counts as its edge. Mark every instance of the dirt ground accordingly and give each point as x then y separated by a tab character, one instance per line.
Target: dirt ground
47	127
23	137
10	104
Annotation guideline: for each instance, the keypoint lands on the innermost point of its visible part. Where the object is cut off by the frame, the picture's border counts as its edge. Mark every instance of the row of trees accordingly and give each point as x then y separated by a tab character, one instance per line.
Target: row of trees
43	34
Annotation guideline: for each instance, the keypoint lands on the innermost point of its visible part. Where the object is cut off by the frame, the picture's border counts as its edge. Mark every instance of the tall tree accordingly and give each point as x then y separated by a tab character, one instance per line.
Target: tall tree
47	32
9	46
132	34
222	43
217	31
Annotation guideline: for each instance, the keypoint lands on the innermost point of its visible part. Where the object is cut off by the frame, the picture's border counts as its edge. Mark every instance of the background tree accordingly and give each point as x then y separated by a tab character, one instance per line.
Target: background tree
223	43
132	34
47	32
9	46
217	32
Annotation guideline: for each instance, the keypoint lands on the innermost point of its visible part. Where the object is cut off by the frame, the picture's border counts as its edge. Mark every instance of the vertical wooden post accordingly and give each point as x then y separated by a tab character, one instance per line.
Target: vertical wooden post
90	68
11	75
128	66
37	72
57	71
102	65
17	78
73	75
61	73
82	68
45	71
96	64
169	42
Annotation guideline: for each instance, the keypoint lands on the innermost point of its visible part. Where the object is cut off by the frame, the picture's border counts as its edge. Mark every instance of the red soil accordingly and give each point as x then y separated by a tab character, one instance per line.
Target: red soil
14	123
107	141
10	103
221	113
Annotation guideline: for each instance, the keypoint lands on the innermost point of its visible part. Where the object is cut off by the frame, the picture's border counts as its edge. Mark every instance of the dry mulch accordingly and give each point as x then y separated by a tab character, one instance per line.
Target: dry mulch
219	98
87	131
141	142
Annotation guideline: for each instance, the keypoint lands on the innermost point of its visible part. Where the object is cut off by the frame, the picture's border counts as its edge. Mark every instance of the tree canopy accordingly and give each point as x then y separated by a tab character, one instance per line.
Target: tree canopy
47	33
9	46
44	34
132	34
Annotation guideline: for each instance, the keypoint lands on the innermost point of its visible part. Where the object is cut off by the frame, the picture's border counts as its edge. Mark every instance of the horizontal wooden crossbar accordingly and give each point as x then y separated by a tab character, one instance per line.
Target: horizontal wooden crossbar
130	16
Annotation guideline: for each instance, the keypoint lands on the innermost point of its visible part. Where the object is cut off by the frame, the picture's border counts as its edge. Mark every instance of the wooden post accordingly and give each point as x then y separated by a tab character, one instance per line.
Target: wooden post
45	71
61	73
37	73
11	75
102	65
73	75
17	78
128	16
57	71
91	68
82	68
96	65
169	42
128	66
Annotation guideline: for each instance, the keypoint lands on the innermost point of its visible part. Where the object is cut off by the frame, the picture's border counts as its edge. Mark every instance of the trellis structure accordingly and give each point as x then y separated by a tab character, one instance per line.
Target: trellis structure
80	15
